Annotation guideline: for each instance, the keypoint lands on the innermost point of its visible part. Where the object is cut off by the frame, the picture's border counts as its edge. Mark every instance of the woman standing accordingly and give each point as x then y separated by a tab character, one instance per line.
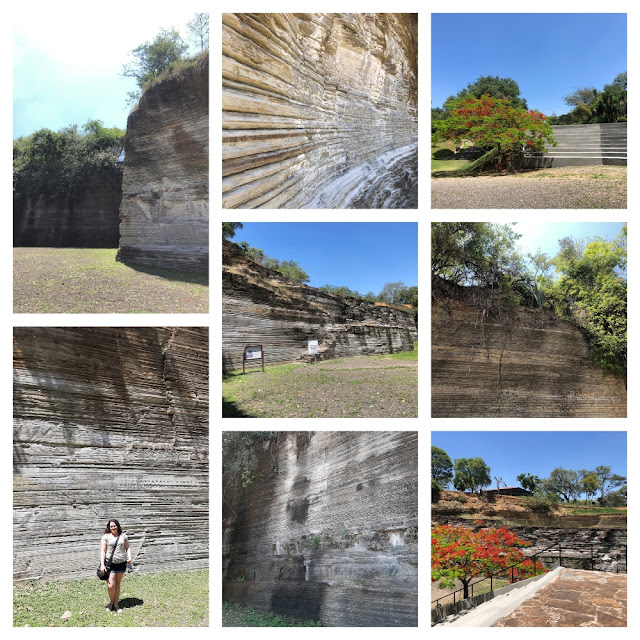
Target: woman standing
113	536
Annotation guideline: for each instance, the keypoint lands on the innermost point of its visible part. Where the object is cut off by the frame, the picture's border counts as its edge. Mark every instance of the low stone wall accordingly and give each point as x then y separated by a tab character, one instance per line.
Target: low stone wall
326	528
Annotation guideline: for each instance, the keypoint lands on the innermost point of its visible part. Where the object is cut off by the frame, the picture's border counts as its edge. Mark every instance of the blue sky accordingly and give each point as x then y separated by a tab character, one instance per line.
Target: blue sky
548	55
546	235
510	453
67	63
360	255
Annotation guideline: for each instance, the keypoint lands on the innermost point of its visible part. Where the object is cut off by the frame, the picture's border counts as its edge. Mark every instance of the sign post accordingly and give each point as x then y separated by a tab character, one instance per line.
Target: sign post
253	353
313	349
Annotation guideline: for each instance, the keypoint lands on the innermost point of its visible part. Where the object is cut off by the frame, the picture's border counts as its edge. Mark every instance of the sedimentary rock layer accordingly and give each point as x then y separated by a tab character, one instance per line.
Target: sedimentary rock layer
533	365
310	97
165	189
109	423
89	218
327	528
260	307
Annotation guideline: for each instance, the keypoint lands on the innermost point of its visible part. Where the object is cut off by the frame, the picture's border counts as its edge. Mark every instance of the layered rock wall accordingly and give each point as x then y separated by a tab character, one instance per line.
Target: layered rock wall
88	219
165	189
533	365
319	110
327	529
109	423
260	307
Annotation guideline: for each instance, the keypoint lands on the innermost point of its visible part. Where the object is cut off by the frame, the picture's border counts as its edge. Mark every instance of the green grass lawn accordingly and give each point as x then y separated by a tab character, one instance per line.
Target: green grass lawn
237	615
443	158
52	280
376	386
166	599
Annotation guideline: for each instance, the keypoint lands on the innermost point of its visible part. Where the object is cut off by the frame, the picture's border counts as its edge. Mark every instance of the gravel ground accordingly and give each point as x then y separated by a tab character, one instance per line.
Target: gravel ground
592	187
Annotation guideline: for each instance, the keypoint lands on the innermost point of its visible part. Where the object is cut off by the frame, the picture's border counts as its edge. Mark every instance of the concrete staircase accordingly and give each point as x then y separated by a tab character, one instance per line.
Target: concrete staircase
583	144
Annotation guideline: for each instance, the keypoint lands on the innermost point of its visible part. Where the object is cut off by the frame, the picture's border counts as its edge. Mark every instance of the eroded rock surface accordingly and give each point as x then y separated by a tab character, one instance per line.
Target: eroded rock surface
260	307
165	189
534	365
317	99
327	529
89	218
109	423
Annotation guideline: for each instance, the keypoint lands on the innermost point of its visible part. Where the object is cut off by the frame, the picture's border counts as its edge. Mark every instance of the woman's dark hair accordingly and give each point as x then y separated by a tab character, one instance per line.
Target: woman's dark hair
108	530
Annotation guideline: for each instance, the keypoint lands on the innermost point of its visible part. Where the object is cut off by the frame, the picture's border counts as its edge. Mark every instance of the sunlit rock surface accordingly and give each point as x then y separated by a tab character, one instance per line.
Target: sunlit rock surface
109	423
327	529
165	189
260	307
313	104
533	365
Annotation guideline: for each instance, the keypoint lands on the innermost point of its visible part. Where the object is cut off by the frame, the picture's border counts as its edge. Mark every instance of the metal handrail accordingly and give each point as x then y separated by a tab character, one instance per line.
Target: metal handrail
533	557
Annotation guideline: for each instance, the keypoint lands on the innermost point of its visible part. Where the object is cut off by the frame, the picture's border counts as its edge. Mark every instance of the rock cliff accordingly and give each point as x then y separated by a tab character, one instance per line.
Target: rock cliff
531	365
327	527
319	110
109	423
164	215
88	219
261	307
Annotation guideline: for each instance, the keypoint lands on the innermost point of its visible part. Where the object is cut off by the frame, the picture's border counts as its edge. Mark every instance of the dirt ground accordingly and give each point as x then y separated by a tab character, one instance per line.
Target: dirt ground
359	387
591	187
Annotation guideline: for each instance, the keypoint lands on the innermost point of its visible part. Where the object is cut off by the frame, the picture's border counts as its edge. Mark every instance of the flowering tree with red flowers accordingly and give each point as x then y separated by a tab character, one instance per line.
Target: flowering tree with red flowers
493	124
458	553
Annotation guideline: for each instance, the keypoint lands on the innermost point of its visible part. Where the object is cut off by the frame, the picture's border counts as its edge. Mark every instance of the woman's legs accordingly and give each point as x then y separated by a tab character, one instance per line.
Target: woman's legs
116	604
111	587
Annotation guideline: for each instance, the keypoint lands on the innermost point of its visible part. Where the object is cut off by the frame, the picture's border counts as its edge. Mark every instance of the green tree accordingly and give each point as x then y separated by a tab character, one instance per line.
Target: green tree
436	491
606	481
441	466
471	473
292	271
496	87
529	482
393	293
583	95
563	482
229	229
591	291
589	485
199	30
152	58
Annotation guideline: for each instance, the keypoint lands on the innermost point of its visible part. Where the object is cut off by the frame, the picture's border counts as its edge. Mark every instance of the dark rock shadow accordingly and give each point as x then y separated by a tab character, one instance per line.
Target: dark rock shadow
171	274
231	410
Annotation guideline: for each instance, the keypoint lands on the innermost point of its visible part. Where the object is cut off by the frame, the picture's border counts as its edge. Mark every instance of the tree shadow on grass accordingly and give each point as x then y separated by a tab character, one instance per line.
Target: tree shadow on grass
231	410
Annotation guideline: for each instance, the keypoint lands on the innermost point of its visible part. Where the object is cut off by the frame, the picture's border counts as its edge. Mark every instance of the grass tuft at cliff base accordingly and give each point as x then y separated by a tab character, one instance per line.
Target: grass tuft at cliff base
166	599
53	280
237	615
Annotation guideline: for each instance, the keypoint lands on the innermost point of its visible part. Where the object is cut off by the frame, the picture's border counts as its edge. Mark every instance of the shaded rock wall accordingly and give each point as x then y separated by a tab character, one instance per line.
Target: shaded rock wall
534	366
328	528
89	219
311	101
260	307
165	189
109	423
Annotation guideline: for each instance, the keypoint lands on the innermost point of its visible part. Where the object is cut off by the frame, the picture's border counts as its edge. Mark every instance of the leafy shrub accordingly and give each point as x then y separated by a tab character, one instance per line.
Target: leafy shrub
436	491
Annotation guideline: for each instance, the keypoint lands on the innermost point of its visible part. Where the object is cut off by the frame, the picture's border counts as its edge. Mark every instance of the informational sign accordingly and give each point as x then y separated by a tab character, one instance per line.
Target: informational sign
313	347
253	354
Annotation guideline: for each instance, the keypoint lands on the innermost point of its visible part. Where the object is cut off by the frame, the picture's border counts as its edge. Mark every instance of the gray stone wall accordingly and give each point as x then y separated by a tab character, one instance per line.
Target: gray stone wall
327	528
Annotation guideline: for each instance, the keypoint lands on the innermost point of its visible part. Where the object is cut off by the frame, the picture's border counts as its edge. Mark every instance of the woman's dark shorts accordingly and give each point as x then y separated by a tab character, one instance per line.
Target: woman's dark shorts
121	567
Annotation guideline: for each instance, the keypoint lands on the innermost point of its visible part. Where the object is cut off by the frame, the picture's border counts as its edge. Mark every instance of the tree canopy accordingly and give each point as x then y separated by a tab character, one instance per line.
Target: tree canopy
57	163
495	87
229	229
199	30
471	473
441	466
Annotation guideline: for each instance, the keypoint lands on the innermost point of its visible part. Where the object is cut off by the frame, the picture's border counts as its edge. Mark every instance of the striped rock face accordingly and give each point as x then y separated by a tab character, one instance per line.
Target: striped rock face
319	110
530	365
109	423
260	307
327	529
164	215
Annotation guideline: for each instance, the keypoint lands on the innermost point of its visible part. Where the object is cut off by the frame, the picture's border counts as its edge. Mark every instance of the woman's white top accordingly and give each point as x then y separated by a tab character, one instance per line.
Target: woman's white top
120	554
